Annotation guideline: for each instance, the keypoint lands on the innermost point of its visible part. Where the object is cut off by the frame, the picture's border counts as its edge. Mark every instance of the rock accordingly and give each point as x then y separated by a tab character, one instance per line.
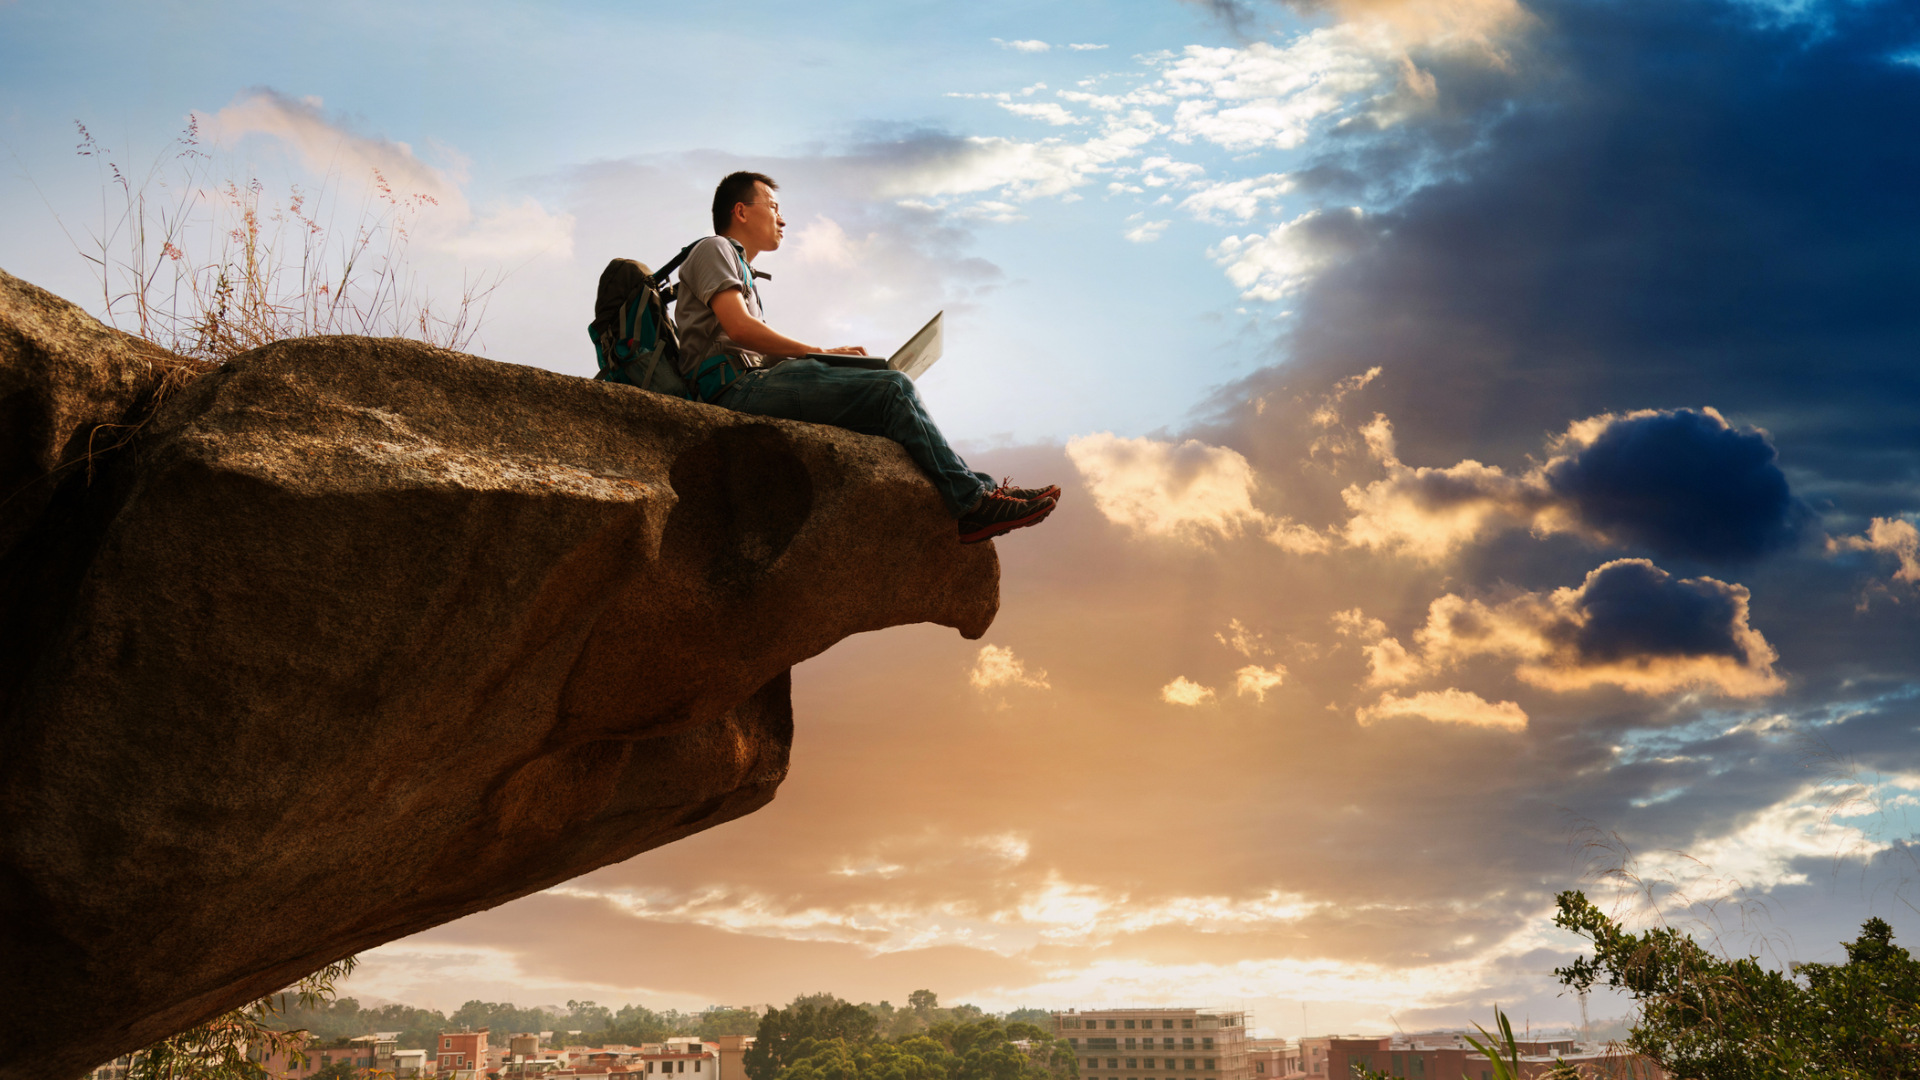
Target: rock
62	376
360	636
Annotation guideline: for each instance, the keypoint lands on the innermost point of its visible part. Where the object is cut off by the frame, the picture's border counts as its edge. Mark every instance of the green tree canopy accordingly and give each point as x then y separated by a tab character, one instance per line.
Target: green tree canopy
812	1018
712	1025
1735	1019
980	1049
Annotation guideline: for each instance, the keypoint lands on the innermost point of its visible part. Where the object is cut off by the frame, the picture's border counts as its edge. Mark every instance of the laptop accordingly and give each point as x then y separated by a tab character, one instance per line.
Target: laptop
913	358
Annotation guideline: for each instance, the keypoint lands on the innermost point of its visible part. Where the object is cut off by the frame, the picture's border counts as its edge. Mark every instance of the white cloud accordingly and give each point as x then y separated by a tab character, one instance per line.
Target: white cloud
996	668
1240	199
385	170
1084	47
1017	169
1279	263
1449	706
1146	232
1044	111
1184	691
1028	45
1267	95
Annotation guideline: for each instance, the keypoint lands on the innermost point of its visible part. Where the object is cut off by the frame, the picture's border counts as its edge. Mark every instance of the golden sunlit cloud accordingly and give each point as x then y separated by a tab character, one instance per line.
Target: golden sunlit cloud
1630	625
1188	491
1429	513
997	668
1256	680
1184	691
1887	536
1449	706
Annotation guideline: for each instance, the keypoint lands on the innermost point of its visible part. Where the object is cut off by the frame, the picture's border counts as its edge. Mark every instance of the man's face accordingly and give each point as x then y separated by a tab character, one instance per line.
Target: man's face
759	225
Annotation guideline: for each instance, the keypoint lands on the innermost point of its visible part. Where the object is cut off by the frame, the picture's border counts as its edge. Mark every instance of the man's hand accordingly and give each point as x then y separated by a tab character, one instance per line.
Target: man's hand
844	350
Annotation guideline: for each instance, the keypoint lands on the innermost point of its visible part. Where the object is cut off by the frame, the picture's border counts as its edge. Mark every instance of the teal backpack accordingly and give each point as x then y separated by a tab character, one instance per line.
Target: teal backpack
633	337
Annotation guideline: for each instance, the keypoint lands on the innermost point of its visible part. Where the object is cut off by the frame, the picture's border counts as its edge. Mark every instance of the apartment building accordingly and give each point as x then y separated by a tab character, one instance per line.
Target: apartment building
1272	1059
461	1052
368	1052
1446	1055
684	1057
1157	1044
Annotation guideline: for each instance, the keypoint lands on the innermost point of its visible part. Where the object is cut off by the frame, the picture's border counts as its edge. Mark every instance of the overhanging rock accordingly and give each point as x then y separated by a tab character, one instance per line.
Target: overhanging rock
360	636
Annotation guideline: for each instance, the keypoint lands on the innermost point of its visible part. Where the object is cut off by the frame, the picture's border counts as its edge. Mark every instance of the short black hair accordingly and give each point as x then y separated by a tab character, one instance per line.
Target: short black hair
737	188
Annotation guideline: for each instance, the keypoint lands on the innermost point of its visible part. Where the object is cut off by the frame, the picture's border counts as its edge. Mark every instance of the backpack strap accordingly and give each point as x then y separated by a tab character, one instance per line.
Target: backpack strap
660	275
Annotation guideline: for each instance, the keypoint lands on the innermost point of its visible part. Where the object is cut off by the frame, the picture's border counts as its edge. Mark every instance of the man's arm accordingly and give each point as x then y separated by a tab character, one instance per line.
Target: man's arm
731	309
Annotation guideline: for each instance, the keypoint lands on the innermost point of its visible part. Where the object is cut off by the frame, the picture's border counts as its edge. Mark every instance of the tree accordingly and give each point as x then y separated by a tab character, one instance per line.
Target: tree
983	1049
819	1017
922	1000
720	1022
1718	1018
219	1048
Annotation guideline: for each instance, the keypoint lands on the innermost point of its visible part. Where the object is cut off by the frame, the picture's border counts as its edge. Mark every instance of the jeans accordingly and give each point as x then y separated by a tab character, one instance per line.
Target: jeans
869	402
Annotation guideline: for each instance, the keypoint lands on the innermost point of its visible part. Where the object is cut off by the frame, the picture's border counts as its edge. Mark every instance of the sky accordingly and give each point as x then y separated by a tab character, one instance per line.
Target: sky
1489	432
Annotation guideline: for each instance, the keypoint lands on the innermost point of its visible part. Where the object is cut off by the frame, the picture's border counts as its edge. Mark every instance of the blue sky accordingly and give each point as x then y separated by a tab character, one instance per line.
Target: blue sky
1487	426
513	100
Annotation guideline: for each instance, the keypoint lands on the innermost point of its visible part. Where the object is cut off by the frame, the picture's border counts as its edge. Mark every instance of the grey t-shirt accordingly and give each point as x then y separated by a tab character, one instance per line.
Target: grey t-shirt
714	264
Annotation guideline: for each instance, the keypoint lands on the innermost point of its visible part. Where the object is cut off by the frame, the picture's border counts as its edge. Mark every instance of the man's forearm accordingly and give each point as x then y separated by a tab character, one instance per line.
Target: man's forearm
753	334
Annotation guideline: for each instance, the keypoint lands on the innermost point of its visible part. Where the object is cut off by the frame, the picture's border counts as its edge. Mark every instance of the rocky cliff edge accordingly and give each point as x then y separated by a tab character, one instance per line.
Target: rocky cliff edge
352	637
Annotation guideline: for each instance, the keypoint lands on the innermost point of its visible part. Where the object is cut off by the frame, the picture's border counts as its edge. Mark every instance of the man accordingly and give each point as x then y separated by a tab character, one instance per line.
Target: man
733	358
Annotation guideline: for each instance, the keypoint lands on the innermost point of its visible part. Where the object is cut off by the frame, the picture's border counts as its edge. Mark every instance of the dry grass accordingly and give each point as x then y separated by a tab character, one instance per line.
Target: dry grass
210	270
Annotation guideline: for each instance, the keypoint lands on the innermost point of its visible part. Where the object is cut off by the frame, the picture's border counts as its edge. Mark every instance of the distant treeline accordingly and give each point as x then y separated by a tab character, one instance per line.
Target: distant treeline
344	1018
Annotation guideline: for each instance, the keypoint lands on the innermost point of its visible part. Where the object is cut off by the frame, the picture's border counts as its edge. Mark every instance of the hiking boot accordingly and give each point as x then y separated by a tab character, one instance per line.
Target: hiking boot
1051	491
998	513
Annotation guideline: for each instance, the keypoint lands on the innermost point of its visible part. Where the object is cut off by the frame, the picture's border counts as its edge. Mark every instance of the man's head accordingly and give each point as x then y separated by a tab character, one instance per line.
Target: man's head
745	209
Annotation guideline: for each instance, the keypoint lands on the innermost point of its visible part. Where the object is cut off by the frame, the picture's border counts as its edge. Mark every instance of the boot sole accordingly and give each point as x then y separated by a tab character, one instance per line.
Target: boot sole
988	532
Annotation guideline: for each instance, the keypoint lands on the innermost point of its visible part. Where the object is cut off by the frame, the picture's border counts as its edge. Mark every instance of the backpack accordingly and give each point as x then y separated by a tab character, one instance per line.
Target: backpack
633	337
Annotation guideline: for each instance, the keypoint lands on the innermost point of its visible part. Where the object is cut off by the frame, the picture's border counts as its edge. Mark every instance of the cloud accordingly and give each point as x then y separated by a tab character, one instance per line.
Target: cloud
1887	536
1248	643
1256	680
1146	232
1240	199
1279	263
1184	691
1629	624
1186	490
385	169
1681	483
1449	706
1269	96
1082	46
996	668
936	168
1045	111
1028	45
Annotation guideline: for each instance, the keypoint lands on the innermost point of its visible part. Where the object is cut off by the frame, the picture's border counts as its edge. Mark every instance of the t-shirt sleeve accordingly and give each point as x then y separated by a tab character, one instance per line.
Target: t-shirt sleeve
710	267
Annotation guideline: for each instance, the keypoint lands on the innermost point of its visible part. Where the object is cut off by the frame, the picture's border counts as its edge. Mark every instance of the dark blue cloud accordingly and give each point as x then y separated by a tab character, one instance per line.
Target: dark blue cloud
1668	202
1633	610
1682	483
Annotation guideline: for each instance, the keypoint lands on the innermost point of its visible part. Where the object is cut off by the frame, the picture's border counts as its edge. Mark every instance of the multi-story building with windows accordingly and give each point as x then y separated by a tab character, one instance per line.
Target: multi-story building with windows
1157	1044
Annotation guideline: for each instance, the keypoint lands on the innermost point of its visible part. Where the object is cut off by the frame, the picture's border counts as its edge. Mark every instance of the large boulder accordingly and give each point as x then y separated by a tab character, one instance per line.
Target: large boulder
359	636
